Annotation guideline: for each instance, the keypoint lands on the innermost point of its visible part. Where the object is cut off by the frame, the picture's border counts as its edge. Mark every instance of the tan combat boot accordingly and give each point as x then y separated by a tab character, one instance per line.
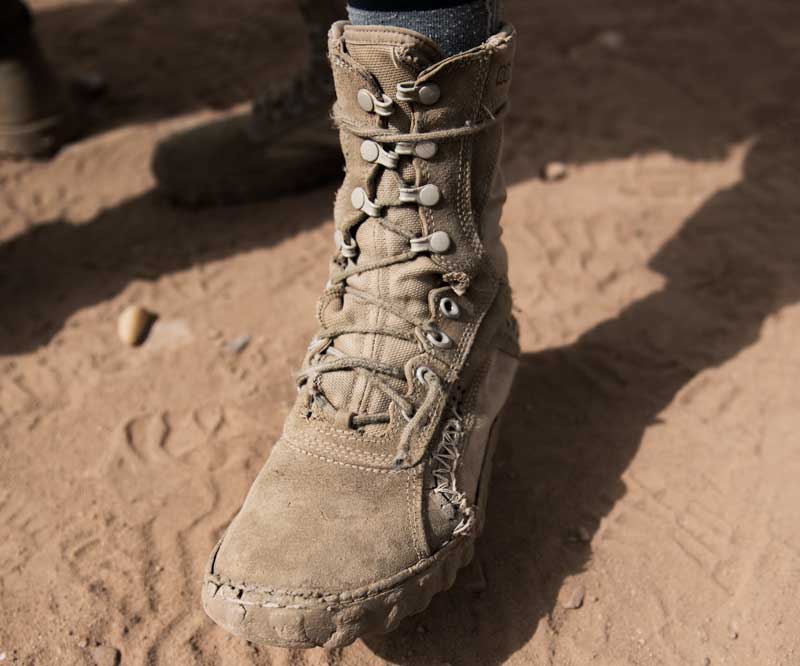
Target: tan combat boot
372	499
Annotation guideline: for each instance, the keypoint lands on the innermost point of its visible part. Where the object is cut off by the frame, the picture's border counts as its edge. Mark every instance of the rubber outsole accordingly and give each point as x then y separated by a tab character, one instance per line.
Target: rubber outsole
303	620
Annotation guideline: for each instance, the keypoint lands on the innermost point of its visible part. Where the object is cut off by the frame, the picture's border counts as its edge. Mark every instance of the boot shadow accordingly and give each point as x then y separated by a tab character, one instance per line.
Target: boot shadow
577	414
160	60
57	268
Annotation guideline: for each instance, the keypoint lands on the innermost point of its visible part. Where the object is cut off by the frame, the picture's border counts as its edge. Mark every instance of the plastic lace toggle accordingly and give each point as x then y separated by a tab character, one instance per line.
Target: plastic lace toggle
423	149
346	246
373	152
424	93
437	242
371	104
425	195
361	202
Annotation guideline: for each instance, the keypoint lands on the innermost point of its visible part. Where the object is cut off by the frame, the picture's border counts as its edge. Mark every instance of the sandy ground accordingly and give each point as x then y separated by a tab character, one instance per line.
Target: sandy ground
650	456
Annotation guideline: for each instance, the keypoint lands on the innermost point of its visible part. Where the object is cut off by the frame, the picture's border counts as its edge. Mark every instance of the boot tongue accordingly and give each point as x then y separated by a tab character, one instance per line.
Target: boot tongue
382	48
391	56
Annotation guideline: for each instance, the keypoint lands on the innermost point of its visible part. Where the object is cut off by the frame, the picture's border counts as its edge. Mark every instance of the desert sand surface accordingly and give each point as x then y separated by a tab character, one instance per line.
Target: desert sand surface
649	466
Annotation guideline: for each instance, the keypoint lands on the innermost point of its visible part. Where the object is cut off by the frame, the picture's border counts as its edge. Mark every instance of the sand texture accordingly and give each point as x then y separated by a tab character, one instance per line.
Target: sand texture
646	493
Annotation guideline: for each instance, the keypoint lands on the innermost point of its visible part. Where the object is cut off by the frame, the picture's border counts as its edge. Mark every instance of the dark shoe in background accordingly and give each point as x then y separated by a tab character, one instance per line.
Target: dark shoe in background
35	114
286	144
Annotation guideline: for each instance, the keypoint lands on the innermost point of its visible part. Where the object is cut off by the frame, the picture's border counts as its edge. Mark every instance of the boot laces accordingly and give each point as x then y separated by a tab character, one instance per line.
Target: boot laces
387	150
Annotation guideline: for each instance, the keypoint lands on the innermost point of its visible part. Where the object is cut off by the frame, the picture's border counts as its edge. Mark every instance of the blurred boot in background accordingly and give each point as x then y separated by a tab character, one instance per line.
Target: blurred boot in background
286	143
35	115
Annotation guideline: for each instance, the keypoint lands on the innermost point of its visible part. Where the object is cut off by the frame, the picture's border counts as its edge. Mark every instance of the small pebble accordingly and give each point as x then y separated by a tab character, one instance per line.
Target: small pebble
733	630
611	39
237	345
553	171
2	656
134	325
707	661
575	600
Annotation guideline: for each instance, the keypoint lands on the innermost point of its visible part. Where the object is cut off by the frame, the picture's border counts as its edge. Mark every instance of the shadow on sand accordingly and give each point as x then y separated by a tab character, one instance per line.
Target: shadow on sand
685	81
578	413
162	59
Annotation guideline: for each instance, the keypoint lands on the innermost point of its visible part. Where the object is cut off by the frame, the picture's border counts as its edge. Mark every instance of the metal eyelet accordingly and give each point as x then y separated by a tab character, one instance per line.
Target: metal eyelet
422	372
449	308
438	338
